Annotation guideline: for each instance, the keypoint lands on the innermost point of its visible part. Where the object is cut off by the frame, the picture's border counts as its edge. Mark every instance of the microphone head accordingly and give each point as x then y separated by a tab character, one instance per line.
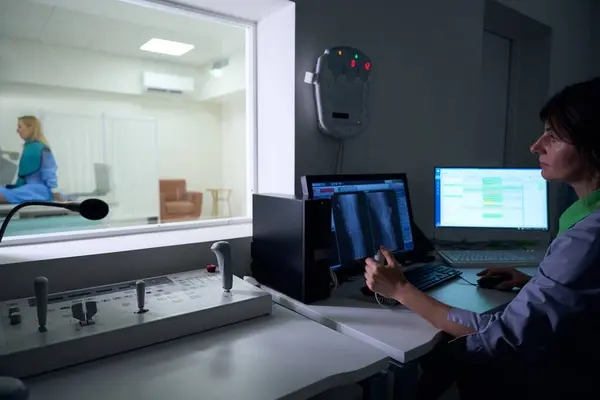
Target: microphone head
93	209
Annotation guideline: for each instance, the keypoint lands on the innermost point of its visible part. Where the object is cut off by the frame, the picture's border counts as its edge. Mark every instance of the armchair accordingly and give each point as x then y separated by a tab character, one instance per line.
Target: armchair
176	203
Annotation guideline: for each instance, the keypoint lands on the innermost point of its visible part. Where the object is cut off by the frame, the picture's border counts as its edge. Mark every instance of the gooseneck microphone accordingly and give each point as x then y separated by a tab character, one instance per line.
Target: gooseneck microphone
92	209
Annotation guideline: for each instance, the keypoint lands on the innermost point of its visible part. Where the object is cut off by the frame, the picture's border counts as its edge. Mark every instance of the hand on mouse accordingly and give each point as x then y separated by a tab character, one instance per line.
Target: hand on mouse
514	277
384	279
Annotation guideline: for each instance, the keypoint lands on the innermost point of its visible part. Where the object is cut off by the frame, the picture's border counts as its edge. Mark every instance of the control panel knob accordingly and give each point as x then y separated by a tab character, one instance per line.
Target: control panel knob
84	316
140	291
12	389
40	287
223	252
91	309
14	315
78	313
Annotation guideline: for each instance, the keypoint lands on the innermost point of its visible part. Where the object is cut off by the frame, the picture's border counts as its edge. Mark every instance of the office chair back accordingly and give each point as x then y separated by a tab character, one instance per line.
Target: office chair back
102	173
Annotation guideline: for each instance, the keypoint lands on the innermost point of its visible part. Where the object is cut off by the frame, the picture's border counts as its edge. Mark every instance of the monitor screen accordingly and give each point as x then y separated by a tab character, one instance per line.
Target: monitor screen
366	214
491	198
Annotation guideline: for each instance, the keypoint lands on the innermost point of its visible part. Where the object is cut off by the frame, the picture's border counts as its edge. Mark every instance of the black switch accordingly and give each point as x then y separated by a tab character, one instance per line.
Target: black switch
14	315
91	309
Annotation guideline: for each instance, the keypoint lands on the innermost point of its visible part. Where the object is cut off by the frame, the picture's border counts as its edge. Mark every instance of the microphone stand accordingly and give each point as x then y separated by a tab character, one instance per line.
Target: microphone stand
25	204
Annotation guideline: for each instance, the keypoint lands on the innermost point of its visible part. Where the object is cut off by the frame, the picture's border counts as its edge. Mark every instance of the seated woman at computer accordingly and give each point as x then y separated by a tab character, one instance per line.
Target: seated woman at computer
546	343
37	179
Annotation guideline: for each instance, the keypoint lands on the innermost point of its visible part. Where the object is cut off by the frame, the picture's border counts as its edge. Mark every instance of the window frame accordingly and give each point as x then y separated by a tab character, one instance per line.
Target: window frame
251	123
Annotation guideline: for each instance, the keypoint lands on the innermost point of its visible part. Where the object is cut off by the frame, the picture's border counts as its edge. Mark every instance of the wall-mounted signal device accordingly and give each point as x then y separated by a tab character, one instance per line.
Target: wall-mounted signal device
341	81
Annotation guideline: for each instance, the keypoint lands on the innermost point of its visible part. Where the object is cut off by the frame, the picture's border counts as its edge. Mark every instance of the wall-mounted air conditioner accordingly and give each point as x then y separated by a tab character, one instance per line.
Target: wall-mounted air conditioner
157	82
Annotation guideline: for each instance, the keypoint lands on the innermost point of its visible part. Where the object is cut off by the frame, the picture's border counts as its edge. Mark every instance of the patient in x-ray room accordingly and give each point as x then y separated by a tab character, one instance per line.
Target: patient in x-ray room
352	227
385	219
37	171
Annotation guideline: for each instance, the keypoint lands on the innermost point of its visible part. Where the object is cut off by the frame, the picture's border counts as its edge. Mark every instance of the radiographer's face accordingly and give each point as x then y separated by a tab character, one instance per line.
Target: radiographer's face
558	159
23	130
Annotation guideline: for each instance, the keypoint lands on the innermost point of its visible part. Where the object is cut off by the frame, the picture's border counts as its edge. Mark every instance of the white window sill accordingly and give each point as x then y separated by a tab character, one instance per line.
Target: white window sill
118	240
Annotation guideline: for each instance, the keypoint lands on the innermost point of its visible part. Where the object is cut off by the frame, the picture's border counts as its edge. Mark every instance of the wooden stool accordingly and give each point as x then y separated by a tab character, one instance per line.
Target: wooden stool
219	195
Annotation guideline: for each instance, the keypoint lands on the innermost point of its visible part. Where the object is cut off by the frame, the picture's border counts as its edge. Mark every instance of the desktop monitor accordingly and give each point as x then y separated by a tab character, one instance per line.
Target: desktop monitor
366	211
509	199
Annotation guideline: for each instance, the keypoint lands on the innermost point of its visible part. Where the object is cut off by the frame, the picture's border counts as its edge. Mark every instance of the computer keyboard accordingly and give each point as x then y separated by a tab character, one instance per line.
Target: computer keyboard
423	278
465	258
429	276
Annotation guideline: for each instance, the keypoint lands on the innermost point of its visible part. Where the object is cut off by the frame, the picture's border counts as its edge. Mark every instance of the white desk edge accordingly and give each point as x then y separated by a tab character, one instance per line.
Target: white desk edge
401	334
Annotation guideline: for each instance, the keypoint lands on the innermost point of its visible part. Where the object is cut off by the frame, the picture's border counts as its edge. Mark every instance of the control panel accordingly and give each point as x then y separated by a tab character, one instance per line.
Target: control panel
47	332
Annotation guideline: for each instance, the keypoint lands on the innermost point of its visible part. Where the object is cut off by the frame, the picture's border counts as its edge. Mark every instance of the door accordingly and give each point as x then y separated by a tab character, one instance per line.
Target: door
495	96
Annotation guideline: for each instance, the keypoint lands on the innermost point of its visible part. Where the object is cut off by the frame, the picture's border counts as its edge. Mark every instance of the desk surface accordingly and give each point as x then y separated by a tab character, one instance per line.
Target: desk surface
283	355
400	333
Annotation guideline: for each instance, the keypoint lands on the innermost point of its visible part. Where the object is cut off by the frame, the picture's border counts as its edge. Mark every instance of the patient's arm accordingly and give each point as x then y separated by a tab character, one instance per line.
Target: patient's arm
48	172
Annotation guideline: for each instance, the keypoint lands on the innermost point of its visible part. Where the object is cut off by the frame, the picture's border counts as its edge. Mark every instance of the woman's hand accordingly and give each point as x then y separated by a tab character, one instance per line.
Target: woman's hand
386	280
512	277
389	281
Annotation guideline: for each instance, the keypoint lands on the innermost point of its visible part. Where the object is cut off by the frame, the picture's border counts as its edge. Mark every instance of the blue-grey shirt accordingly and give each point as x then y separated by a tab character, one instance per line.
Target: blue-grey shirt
552	327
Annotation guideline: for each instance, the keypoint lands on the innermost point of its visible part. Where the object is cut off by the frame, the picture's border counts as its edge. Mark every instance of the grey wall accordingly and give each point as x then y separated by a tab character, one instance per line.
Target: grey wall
595	21
425	97
571	25
16	280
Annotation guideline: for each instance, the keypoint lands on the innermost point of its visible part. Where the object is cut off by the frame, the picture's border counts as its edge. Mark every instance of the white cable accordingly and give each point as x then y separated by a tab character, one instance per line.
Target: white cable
334	279
377	298
386	298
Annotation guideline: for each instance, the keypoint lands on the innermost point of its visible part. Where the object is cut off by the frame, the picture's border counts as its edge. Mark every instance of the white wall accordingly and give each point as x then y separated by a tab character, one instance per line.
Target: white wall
32	62
254	10
232	80
276	101
234	148
189	132
426	90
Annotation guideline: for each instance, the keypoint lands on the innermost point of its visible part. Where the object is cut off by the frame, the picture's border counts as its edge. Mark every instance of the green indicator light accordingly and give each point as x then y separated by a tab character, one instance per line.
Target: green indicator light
356	56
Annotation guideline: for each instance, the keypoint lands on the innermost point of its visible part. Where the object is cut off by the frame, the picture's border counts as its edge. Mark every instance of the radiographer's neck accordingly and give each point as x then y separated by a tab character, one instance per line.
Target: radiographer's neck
586	187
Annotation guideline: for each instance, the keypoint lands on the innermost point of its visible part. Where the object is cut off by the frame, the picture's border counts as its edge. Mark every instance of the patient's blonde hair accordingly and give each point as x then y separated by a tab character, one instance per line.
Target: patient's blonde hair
35	125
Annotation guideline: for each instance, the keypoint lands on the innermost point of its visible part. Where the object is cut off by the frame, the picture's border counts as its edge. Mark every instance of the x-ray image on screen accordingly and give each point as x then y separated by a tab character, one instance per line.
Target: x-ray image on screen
385	219
352	226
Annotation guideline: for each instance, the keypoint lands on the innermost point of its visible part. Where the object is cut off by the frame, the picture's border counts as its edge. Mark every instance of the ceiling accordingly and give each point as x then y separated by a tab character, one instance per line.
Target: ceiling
253	10
119	28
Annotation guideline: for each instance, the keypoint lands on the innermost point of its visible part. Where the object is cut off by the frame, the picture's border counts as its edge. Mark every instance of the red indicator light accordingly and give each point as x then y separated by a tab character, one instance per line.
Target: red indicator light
353	63
368	66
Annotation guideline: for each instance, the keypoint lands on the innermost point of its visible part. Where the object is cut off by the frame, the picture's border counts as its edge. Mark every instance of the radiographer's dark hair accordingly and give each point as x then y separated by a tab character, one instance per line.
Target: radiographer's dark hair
574	115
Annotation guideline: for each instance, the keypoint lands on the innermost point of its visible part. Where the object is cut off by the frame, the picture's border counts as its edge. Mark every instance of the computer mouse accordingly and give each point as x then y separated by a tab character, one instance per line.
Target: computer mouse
490	282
